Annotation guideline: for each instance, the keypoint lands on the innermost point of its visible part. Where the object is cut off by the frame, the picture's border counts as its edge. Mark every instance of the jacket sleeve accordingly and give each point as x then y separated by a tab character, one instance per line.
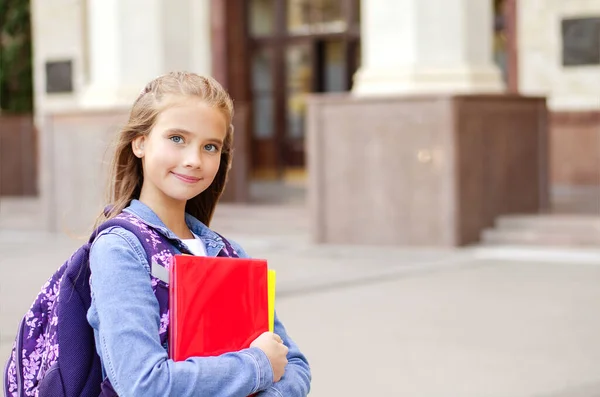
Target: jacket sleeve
125	318
297	377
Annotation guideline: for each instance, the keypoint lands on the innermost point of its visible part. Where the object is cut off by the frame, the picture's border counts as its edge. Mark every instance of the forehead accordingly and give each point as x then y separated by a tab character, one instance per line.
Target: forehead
191	114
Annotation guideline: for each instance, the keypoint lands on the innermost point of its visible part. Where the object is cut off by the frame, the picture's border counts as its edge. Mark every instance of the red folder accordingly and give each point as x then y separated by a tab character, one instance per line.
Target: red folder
216	305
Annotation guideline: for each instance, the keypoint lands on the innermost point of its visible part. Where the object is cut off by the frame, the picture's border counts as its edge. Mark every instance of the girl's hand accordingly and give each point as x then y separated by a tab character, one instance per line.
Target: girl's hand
275	350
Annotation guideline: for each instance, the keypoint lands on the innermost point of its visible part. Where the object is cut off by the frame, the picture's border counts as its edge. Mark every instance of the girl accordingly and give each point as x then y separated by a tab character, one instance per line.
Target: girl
169	170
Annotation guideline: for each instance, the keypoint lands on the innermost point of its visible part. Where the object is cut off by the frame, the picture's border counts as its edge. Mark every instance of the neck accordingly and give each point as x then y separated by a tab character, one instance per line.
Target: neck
171	213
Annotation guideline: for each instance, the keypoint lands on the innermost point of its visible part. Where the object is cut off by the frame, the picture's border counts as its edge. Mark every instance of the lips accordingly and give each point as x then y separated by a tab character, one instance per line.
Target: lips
186	178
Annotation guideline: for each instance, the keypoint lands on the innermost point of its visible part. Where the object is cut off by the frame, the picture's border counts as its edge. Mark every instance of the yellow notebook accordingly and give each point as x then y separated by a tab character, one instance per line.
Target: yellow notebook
271	281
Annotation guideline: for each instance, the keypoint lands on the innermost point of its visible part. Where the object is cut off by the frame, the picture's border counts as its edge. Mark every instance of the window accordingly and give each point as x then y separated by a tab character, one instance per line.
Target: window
262	17
315	16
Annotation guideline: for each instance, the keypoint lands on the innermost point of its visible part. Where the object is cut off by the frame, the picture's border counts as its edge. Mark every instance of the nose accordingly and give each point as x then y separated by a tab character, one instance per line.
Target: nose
193	160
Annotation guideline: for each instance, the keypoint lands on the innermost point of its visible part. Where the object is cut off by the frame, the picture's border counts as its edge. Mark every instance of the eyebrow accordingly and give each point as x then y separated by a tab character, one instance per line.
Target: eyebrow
178	131
188	133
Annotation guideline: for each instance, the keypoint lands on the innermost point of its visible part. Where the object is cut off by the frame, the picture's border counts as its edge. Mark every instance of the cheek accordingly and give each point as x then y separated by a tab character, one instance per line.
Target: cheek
214	162
165	156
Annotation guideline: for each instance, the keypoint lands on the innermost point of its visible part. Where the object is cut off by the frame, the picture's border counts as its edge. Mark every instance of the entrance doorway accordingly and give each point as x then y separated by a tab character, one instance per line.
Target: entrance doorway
298	47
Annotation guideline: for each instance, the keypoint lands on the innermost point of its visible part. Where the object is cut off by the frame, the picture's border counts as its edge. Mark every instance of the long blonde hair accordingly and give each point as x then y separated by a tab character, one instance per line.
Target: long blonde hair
126	177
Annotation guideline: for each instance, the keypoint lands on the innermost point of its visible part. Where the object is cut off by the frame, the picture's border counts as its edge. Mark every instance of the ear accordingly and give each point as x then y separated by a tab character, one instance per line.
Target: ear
137	145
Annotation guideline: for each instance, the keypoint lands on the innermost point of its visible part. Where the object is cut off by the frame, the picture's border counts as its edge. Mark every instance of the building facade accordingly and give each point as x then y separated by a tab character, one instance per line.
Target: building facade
92	57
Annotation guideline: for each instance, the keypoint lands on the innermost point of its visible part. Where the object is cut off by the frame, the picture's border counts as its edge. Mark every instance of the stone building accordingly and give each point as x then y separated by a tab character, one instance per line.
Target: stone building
291	65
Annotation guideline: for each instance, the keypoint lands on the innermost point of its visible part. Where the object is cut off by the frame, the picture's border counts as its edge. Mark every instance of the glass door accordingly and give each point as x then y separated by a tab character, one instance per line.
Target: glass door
298	84
264	140
298	47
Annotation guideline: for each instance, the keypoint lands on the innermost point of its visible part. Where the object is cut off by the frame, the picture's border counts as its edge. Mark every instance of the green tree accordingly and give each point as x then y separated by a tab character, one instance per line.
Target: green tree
16	71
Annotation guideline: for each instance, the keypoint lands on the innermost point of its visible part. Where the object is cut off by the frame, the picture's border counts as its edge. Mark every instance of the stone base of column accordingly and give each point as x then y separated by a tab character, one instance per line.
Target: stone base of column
76	149
429	170
468	80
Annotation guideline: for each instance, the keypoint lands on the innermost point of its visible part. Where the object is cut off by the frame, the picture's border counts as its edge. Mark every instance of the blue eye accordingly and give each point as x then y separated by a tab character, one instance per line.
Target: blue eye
211	148
176	139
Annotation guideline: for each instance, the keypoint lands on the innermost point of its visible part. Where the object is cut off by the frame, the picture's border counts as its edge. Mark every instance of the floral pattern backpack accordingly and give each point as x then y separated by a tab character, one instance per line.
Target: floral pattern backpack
54	352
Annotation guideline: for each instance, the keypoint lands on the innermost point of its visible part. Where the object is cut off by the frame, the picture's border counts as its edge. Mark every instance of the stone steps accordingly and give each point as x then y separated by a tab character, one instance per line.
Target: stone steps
544	230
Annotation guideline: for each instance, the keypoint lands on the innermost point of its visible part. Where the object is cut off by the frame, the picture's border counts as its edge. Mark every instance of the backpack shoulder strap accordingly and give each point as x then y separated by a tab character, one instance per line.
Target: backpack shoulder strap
128	224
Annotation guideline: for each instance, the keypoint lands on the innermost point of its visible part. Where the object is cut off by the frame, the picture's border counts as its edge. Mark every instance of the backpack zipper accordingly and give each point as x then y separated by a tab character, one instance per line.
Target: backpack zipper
18	362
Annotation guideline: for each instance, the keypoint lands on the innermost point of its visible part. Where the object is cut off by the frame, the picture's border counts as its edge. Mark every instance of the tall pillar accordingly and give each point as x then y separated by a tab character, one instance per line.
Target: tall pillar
427	46
133	41
126	49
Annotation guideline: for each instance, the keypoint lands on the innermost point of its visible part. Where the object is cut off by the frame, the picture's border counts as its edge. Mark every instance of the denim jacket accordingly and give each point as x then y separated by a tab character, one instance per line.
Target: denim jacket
125	317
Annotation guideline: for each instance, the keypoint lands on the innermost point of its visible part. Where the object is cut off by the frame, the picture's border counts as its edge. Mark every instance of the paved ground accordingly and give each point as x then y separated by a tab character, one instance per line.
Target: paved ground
387	321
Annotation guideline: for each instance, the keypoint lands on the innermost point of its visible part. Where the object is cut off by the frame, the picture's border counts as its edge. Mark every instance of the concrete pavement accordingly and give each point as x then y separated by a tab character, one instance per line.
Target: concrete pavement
379	321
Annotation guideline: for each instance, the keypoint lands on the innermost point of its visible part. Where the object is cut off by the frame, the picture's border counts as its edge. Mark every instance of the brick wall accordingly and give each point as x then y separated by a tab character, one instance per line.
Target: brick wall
18	156
575	148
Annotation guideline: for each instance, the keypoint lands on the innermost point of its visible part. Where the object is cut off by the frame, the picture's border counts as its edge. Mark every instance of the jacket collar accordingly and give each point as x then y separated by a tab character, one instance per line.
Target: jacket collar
212	241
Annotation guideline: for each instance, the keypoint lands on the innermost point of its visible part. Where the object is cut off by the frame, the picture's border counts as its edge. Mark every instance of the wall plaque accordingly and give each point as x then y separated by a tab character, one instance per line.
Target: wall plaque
59	77
581	41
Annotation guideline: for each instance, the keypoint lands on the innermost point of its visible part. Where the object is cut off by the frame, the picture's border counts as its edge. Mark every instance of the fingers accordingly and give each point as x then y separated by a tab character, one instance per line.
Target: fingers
277	338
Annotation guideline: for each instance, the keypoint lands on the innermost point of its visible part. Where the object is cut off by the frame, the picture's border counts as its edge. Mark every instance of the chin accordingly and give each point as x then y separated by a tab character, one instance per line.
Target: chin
181	196
181	193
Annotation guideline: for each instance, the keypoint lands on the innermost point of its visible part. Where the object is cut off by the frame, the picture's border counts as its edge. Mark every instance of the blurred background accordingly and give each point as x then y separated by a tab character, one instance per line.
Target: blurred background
424	174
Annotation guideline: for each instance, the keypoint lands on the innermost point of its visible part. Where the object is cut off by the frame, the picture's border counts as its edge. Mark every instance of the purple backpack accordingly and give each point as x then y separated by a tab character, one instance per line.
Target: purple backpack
54	353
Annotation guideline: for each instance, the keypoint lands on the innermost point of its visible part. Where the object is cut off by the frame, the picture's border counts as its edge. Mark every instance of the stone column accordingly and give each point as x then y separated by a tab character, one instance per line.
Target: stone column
133	41
427	46
126	49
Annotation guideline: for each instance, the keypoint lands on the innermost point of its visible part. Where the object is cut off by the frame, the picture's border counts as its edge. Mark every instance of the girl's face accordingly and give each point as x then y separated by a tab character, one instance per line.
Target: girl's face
182	153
